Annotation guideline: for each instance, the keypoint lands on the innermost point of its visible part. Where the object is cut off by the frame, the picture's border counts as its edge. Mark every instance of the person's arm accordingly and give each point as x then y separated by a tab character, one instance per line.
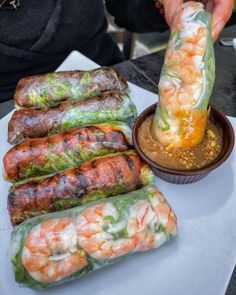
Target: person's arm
137	15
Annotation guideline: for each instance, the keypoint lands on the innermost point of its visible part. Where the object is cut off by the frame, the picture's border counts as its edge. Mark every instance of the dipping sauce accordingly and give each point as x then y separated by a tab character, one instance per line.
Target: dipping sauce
193	158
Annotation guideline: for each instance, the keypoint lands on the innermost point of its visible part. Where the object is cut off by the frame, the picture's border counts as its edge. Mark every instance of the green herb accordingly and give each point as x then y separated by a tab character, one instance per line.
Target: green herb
21	232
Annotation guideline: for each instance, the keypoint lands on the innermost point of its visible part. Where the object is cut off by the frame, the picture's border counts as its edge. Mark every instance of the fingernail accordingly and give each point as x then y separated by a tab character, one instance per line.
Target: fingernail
217	29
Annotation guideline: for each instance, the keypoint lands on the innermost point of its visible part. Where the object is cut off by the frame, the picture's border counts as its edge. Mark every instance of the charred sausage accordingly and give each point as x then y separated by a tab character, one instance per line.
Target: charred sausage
109	106
52	88
99	178
41	156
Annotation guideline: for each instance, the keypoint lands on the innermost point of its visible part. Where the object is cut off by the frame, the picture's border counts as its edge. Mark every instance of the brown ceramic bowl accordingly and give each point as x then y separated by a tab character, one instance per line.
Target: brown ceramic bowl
188	176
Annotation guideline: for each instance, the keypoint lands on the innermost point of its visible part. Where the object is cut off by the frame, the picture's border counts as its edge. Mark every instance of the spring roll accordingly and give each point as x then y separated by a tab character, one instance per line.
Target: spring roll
42	156
187	79
55	248
52	88
102	177
31	123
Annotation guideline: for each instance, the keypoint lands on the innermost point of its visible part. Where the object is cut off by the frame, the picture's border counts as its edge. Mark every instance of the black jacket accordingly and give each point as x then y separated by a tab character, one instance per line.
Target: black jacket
38	36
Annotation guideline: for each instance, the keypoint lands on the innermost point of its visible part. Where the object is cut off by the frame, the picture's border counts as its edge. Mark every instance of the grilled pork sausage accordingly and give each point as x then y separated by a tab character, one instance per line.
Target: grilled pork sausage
41	156
109	106
99	178
52	88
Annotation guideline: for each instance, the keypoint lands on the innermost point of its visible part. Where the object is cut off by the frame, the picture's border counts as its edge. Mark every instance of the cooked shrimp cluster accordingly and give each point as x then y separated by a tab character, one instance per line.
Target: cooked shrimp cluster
186	80
57	248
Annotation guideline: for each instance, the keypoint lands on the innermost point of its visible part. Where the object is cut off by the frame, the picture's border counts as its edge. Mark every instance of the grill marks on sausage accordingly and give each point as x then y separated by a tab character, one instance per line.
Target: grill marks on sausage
129	162
34	151
103	173
31	123
81	181
115	140
102	79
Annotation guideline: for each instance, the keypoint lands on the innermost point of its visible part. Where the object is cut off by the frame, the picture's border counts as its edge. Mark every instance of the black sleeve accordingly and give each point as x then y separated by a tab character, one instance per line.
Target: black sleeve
139	16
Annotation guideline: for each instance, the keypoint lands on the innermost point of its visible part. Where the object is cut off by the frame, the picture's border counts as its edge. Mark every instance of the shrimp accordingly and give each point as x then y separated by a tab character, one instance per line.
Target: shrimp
180	65
51	251
180	130
176	97
166	136
151	220
165	214
194	49
142	223
187	77
103	233
186	11
97	228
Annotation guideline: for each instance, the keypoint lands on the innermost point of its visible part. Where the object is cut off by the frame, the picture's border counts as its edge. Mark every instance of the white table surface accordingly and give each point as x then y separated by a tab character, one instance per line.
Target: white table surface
199	261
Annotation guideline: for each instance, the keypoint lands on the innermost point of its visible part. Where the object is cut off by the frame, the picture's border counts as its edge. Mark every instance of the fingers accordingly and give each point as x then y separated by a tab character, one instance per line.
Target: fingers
160	7
170	8
209	5
221	12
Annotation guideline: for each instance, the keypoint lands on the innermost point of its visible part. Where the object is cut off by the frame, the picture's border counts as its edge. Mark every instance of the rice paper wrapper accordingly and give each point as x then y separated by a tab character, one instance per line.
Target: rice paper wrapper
187	79
89	237
65	150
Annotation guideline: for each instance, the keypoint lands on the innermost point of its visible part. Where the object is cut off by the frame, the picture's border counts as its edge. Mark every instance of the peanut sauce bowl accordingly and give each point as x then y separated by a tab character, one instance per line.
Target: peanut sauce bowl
187	176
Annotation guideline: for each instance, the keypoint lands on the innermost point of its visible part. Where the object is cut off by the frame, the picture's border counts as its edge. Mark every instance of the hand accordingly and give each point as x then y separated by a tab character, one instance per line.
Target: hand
221	11
169	8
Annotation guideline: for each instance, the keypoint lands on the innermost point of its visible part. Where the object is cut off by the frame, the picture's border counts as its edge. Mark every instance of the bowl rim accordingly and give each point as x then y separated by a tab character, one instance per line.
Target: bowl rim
223	120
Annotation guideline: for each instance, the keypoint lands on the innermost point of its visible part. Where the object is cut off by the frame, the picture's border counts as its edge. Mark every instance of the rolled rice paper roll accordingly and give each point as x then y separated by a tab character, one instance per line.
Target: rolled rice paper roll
41	156
52	88
108	106
55	248
102	177
187	79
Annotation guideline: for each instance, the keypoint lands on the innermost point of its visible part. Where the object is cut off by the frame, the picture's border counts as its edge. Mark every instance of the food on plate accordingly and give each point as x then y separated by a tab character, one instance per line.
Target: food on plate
196	157
52	88
187	79
102	177
55	248
41	156
108	106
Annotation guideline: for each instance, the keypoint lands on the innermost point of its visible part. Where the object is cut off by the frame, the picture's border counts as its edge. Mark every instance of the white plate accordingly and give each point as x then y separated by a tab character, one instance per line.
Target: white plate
199	262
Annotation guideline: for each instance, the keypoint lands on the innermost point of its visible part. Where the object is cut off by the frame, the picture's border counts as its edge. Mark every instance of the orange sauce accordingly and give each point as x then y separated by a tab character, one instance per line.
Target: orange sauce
198	156
189	121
